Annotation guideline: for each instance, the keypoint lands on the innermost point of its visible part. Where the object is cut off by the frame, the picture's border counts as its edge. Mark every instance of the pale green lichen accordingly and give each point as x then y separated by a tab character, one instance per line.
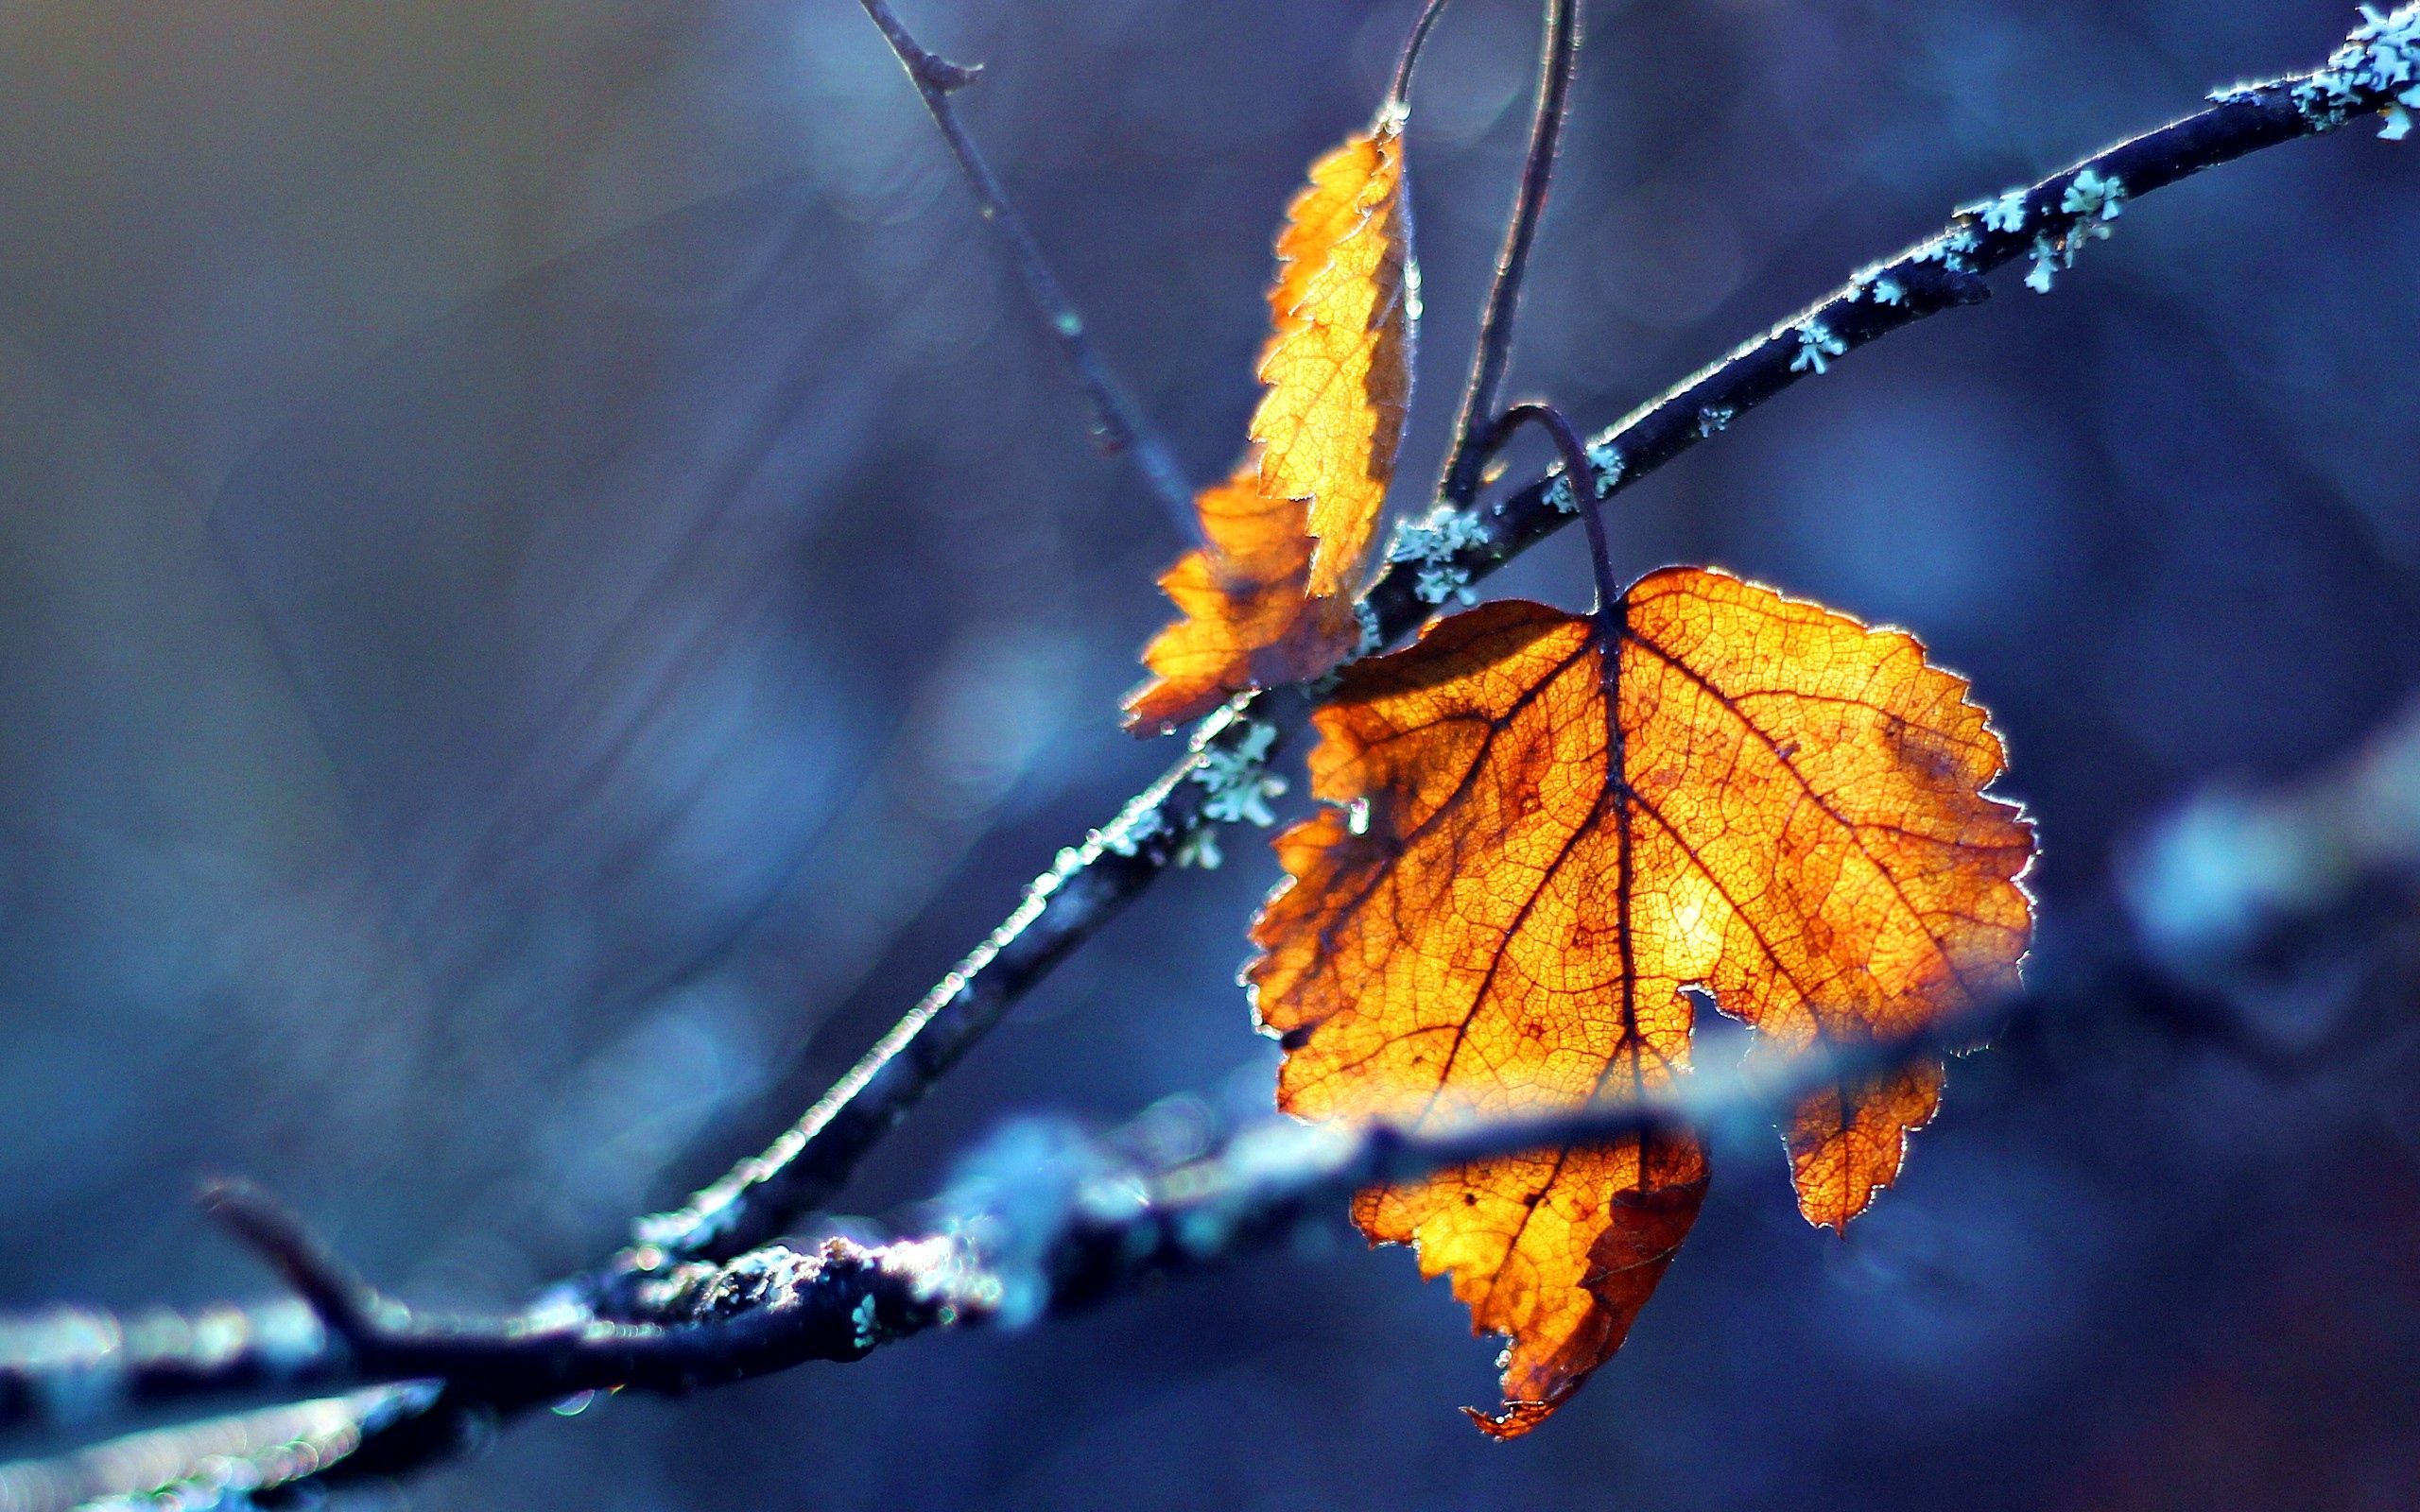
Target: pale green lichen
1953	248
1817	346
2090	197
2046	265
864	1332
1606	460
1237	778
1604	473
1372	634
1200	848
2380	57
2090	202
1432	546
2003	214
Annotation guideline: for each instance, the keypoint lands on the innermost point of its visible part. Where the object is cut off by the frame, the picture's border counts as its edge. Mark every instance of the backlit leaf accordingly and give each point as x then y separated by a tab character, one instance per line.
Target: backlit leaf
1337	369
1289	538
1795	823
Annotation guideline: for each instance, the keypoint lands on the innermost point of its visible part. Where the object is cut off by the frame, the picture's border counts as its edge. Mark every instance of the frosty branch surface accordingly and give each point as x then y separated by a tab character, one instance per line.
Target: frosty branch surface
1219	779
1048	1220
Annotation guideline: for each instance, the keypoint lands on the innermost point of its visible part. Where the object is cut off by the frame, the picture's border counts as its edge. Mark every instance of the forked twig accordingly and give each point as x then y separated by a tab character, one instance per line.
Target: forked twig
1119	421
1475	433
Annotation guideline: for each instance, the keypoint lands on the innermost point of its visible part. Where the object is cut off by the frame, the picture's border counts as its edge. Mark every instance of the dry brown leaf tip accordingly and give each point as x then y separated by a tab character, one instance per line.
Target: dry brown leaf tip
1246	616
1289	538
1794	820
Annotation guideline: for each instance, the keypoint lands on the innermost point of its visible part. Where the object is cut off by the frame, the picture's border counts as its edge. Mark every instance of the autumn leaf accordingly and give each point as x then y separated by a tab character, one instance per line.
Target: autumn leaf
1337	368
1498	918
1287	538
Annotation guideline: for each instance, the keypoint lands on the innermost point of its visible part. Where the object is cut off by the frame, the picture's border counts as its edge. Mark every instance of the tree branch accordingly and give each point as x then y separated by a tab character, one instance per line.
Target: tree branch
1440	556
1052	1223
1118	419
1219	779
239	1459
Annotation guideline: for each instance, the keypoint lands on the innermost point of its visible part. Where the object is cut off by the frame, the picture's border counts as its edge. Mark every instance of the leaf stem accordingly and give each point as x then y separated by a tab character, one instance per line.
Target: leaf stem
1578	475
1399	93
1475	427
1118	419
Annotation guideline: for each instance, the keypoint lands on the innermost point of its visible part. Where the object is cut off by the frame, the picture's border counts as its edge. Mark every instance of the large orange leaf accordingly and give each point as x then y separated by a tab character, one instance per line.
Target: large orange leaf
1288	539
1498	918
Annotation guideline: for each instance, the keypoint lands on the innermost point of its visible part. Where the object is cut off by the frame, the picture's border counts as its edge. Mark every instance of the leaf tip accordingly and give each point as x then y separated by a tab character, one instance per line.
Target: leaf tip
1511	1421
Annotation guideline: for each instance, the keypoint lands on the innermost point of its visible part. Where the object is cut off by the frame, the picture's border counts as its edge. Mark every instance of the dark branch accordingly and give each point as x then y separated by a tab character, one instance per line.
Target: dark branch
1119	419
1399	91
1475	428
1218	780
344	1302
1054	1226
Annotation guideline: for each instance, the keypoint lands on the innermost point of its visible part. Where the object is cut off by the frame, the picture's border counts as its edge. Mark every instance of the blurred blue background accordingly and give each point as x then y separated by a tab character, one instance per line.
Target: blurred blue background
549	586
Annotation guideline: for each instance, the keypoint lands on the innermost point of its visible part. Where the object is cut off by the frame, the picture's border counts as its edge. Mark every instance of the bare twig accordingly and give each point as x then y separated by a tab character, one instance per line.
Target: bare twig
1475	429
1119	421
1399	91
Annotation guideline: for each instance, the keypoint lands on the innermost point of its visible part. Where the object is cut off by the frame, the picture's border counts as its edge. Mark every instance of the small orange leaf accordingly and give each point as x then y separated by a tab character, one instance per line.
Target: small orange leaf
1503	920
1338	368
1289	538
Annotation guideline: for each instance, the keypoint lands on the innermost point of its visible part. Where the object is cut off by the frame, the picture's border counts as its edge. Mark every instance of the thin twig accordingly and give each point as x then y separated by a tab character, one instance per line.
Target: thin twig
1475	425
1399	91
1061	909
1119	419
